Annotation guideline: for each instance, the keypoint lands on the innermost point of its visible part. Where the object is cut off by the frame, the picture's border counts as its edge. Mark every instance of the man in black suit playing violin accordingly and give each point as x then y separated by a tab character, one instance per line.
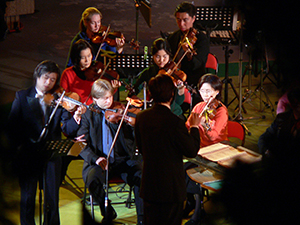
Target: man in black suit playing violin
28	118
99	134
196	44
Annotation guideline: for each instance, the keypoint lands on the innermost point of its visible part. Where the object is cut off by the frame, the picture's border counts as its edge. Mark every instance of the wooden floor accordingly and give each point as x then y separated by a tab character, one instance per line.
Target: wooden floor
255	119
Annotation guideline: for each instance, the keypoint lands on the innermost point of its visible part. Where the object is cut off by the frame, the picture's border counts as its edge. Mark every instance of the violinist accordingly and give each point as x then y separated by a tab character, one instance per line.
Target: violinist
90	26
193	64
99	133
27	118
74	79
212	129
160	51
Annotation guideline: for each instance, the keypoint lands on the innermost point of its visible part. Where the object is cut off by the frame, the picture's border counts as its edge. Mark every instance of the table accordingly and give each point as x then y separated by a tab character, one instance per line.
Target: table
213	160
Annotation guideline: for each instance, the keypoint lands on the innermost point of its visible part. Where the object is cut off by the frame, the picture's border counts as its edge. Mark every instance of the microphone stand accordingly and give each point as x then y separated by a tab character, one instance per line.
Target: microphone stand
108	156
145	94
44	172
50	118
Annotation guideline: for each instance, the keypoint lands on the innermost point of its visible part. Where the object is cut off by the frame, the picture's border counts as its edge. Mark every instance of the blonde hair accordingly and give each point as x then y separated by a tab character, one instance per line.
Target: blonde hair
100	88
86	16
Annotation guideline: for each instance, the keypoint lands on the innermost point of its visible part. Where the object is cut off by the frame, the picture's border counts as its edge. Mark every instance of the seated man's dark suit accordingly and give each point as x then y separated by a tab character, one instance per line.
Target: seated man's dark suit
125	164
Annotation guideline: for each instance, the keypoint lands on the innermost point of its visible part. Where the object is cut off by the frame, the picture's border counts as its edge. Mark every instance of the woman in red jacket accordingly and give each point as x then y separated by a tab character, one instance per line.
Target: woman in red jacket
73	78
214	118
212	129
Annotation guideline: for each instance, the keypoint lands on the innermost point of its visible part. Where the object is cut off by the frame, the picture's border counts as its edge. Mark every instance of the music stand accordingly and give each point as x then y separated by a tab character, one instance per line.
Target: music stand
56	148
130	65
222	19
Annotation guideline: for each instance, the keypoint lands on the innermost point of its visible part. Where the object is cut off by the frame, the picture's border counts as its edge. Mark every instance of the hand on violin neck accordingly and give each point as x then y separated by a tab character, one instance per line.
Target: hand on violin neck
79	111
115	84
180	86
120	44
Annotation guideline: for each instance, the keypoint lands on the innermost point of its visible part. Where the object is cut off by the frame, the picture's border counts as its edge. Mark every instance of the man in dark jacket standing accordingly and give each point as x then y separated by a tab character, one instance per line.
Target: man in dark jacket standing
28	119
163	140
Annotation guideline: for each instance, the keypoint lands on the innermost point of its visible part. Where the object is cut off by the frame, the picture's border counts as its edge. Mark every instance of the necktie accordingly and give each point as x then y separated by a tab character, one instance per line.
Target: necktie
42	103
107	139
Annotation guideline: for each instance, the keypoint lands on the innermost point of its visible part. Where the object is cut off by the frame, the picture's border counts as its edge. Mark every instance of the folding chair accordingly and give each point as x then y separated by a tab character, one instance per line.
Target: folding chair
236	130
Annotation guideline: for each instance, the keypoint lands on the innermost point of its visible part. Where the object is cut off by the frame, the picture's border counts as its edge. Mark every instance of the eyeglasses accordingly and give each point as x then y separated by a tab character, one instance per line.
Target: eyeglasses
205	91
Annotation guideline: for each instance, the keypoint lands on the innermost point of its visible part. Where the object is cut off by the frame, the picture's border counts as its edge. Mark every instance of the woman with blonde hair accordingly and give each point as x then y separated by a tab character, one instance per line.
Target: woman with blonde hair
89	26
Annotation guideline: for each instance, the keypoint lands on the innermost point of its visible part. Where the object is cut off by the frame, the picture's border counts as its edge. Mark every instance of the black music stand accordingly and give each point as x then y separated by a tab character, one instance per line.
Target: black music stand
130	65
212	18
56	148
247	97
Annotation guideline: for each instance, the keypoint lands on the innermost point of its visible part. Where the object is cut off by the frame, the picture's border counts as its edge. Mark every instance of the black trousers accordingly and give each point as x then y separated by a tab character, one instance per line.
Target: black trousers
130	172
156	213
28	185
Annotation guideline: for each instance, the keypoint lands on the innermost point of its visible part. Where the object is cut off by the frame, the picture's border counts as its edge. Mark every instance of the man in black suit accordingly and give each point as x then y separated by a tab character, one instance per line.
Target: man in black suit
27	120
99	134
192	64
163	140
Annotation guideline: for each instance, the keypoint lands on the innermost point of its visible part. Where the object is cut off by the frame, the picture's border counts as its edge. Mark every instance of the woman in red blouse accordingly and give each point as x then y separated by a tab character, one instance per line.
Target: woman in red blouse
73	78
213	126
212	129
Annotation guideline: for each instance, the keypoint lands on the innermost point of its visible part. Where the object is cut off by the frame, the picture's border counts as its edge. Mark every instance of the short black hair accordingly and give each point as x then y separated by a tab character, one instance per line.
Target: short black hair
214	81
186	7
76	49
46	66
161	88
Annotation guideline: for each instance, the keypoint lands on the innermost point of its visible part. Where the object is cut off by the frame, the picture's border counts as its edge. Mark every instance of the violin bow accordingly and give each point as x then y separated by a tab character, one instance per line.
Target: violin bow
103	72
106	33
179	48
206	106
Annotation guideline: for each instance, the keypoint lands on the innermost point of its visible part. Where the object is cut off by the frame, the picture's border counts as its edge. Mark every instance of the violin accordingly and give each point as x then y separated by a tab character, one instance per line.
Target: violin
97	70
110	38
116	112
70	100
190	37
210	111
171	69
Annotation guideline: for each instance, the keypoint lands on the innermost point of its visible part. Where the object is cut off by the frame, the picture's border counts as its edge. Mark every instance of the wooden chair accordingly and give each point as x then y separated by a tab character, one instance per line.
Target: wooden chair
236	130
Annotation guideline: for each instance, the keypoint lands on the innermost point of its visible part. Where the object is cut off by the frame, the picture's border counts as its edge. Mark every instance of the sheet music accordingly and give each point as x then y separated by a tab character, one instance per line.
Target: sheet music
226	155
